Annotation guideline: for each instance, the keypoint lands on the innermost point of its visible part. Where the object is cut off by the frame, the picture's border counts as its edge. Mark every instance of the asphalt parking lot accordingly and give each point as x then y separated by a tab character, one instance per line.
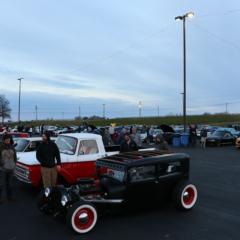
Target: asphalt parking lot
216	172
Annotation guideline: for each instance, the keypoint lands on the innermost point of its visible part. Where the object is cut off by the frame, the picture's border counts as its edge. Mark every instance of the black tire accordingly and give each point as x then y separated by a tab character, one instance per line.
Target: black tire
89	217
185	195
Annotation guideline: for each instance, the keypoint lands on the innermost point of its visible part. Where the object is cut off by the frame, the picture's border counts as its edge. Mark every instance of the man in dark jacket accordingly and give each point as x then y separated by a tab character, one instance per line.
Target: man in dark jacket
193	134
47	154
8	160
128	144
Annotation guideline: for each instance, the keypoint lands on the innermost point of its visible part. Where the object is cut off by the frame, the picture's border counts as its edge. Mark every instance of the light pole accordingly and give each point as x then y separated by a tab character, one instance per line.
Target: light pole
104	110
226	108
183	19
79	112
140	109
19	99
36	112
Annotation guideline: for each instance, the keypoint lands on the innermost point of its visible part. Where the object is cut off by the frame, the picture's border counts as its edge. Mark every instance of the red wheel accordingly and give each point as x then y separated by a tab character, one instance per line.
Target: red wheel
185	195
82	217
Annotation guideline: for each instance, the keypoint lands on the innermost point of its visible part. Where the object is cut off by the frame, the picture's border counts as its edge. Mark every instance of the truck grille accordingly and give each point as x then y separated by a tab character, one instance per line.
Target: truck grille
22	174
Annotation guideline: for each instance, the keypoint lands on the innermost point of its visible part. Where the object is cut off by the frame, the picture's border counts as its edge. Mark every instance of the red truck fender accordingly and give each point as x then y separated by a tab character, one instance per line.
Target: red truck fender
65	176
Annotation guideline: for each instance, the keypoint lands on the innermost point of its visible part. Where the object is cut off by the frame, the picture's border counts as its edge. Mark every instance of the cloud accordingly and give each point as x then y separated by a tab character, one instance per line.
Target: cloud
118	53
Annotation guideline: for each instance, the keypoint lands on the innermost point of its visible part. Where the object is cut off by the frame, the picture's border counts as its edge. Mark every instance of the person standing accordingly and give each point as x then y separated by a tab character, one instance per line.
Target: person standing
193	135
6	133
136	137
203	136
107	140
8	159
48	156
42	129
161	144
128	144
150	134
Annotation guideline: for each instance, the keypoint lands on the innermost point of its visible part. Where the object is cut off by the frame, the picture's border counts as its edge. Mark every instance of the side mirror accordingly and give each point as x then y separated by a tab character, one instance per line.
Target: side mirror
15	144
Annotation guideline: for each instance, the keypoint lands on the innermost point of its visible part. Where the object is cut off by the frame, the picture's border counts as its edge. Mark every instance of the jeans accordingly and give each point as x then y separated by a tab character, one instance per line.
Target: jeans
6	183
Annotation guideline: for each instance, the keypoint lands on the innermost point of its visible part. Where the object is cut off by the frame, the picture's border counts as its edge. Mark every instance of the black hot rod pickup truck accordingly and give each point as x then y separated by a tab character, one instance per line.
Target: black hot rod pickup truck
122	178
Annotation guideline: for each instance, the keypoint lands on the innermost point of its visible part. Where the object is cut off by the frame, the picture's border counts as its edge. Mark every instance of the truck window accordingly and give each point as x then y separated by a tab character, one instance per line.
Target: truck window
33	146
88	147
67	145
144	173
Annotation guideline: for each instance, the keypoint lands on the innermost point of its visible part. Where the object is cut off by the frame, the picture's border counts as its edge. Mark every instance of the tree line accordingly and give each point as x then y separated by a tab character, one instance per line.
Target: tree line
5	110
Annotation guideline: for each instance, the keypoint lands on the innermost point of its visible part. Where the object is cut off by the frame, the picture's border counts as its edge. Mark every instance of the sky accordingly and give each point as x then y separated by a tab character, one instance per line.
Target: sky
76	55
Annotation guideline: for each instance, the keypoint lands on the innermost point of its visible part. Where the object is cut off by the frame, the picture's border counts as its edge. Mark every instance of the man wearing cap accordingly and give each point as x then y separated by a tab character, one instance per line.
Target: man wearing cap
49	157
8	160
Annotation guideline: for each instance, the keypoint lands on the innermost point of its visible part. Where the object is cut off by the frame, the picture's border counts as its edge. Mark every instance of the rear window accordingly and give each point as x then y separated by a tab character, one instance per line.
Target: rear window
88	147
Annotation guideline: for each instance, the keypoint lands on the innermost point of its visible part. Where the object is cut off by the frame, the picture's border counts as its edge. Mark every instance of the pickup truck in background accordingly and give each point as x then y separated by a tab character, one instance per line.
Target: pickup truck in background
79	152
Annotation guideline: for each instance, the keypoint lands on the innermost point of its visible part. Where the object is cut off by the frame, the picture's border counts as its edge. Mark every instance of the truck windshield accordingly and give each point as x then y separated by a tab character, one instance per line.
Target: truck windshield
67	145
21	145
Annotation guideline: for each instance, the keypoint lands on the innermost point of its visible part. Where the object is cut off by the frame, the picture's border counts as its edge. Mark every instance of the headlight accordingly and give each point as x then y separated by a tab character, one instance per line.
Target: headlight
47	192
64	200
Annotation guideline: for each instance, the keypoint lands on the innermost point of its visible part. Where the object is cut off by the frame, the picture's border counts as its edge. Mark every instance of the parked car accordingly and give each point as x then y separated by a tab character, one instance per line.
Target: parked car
28	144
233	131
211	130
79	153
221	137
145	176
15	135
63	130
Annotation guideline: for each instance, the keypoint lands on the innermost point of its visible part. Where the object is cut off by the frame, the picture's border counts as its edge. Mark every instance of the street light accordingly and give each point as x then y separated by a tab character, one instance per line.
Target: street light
183	19
104	110
19	98
140	109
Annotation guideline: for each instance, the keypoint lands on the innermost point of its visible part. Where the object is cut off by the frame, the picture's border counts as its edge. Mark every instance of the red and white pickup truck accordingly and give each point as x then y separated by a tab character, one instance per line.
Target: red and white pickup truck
79	152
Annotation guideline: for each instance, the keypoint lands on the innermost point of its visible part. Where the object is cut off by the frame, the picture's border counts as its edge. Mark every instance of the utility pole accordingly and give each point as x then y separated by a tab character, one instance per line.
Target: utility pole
140	109
183	19
36	112
104	110
226	108
2	112
79	112
158	111
19	99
